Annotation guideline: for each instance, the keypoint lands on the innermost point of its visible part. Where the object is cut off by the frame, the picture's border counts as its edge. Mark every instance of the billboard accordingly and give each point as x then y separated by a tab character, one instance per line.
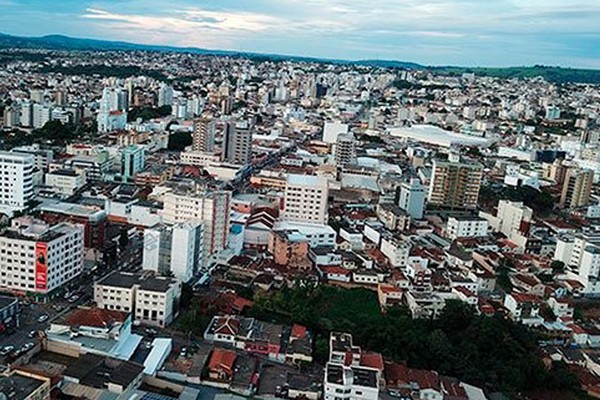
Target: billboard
41	266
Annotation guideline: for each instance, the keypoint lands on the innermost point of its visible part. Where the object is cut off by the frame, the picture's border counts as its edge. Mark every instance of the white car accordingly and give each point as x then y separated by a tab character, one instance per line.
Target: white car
6	350
42	318
27	346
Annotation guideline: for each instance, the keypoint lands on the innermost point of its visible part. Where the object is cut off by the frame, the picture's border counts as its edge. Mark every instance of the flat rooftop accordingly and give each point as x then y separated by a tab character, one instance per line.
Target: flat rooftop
18	387
146	281
98	371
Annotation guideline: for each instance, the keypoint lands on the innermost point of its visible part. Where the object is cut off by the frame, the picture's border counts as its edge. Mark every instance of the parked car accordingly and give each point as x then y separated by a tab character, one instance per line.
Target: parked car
27	346
6	350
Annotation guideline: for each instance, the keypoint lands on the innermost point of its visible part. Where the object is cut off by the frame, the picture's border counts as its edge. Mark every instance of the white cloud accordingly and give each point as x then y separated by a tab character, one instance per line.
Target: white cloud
419	30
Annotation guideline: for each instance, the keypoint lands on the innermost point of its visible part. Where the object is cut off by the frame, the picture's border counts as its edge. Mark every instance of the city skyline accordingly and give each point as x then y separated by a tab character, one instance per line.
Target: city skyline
434	32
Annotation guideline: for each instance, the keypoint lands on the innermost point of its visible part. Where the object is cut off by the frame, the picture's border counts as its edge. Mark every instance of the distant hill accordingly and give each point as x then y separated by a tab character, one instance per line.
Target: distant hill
551	74
60	42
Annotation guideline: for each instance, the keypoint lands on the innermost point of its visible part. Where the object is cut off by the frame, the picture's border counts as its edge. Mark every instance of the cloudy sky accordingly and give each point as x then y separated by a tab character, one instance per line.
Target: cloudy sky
437	32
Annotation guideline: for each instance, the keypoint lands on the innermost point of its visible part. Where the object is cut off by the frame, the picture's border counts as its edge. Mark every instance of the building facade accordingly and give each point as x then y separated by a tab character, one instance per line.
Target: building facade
212	209
16	187
152	300
412	198
237	142
203	138
577	188
175	249
38	258
305	199
455	184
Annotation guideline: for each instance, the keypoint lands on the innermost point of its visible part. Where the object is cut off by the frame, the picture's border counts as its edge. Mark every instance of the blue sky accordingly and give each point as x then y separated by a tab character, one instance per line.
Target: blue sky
438	32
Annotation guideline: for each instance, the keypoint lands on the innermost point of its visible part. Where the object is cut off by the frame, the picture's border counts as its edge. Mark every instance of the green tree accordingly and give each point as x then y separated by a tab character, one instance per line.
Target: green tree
178	141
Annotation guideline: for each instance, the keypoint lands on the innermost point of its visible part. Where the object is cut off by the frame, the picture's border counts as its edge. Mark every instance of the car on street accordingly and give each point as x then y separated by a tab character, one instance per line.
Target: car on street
27	346
42	318
150	331
73	298
183	352
6	350
32	334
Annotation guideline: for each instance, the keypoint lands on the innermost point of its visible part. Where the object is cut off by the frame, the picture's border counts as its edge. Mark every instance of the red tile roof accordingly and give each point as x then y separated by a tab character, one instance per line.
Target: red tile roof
223	360
372	360
95	317
299	331
525	298
401	375
334	269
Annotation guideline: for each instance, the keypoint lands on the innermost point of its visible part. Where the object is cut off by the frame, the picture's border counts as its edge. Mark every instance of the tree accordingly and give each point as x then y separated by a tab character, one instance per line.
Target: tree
557	266
146	113
178	141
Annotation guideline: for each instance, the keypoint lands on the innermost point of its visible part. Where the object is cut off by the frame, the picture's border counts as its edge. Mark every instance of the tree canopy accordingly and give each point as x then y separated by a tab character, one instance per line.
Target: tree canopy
178	141
492	352
146	113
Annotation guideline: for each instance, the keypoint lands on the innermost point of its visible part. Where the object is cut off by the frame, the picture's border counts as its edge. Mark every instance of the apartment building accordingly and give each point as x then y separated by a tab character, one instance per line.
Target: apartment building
153	300
212	209
577	188
305	199
16	181
203	138
176	249
454	183
465	227
237	142
345	150
37	258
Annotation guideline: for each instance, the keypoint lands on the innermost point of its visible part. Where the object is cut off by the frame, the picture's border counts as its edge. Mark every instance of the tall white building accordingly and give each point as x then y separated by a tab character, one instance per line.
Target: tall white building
581	254
38	258
305	199
412	198
345	150
512	215
41	115
114	99
112	114
212	209
16	184
175	249
165	95
204	135
26	114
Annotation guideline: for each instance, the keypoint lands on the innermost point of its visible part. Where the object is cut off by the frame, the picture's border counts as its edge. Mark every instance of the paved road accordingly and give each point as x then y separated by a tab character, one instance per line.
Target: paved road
28	322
